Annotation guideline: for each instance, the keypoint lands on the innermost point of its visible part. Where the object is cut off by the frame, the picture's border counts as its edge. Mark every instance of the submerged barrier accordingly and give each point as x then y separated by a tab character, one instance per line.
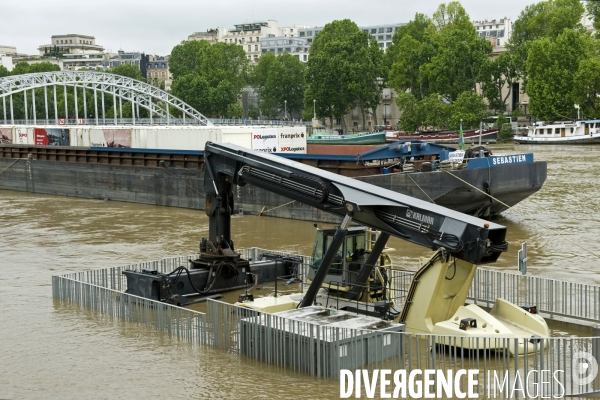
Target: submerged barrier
541	366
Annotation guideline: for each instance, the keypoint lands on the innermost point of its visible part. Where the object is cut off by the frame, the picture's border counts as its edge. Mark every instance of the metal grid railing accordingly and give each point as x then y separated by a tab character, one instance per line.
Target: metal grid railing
323	351
553	297
180	323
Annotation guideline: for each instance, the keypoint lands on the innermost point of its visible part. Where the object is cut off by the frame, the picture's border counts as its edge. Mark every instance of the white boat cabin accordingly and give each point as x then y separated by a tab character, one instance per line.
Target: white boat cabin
565	129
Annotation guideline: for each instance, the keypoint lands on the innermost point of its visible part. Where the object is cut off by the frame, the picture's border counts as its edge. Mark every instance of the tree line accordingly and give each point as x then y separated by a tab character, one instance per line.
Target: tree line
441	69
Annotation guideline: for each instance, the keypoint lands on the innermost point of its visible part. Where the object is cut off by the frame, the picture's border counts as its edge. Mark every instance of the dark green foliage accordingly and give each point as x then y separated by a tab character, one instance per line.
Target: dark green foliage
209	77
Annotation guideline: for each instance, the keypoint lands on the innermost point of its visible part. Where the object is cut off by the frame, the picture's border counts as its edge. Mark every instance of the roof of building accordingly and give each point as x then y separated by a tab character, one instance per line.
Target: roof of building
74	34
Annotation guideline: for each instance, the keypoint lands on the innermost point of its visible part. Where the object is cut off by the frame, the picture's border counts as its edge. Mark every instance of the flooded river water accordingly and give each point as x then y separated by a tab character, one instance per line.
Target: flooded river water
49	350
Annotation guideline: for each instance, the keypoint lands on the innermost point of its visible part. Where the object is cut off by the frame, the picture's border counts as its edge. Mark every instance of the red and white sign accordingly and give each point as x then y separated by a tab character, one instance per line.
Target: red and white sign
62	121
265	140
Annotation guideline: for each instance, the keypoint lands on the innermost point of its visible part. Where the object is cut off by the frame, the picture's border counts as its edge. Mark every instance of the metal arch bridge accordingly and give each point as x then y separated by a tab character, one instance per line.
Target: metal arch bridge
140	94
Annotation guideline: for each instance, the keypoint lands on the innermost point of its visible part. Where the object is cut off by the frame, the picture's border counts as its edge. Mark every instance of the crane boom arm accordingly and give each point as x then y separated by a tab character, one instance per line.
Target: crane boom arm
466	237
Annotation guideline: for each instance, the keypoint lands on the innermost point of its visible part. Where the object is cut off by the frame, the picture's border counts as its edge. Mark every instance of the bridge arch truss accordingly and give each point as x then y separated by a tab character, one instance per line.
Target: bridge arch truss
140	94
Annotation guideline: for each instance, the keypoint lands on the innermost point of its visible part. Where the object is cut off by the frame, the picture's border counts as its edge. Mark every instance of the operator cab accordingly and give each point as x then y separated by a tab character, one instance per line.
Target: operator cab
349	260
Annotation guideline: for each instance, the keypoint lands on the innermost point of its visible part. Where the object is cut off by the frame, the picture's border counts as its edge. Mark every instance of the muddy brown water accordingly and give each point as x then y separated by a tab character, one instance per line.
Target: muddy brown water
49	350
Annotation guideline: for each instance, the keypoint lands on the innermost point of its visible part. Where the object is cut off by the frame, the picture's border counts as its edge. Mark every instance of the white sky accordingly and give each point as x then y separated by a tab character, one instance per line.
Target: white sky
155	27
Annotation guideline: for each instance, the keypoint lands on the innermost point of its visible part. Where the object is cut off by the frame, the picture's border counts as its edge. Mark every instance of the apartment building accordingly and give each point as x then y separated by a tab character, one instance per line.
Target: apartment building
296	46
72	44
382	33
157	72
498	31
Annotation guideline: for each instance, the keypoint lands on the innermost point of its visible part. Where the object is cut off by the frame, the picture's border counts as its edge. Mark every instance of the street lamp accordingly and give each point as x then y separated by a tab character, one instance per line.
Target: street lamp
285	112
314	109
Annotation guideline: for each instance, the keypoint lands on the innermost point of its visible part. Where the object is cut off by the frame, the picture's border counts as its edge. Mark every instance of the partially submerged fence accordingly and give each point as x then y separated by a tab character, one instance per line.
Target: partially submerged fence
323	351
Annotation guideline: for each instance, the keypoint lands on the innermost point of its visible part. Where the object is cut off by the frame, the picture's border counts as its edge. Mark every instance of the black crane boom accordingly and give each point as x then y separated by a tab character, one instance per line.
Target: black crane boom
466	237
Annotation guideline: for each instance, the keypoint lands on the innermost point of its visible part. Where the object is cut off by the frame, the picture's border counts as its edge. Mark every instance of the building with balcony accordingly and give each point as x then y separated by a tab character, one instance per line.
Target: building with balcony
382	33
248	35
72	44
76	62
498	31
296	46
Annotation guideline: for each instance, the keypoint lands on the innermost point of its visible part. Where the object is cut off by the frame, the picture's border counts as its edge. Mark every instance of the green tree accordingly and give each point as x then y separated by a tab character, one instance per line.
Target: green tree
279	79
430	111
586	86
3	71
194	90
551	66
504	128
23	67
593	11
222	66
186	58
343	70
410	50
470	107
497	74
453	15
129	71
461	56
548	18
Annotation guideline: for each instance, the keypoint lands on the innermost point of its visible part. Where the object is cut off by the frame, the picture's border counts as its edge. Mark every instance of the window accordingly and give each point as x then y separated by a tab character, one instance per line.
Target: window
498	42
297	56
309	40
380	30
257	39
70	41
250	39
396	28
388	29
381	45
309	33
501	34
302	34
365	30
288	49
380	37
249	47
477	28
255	47
163	74
305	57
373	30
388	37
255	57
497	26
388	44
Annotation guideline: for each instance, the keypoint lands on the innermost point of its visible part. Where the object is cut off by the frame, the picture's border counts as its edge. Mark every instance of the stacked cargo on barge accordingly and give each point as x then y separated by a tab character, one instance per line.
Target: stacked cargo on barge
164	166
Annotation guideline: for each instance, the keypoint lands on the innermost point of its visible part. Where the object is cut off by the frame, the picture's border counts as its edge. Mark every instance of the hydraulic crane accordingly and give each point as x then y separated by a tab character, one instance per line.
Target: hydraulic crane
435	301
467	238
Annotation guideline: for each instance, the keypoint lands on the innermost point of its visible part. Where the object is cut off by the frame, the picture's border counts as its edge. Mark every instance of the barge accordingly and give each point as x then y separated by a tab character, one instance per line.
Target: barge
176	178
